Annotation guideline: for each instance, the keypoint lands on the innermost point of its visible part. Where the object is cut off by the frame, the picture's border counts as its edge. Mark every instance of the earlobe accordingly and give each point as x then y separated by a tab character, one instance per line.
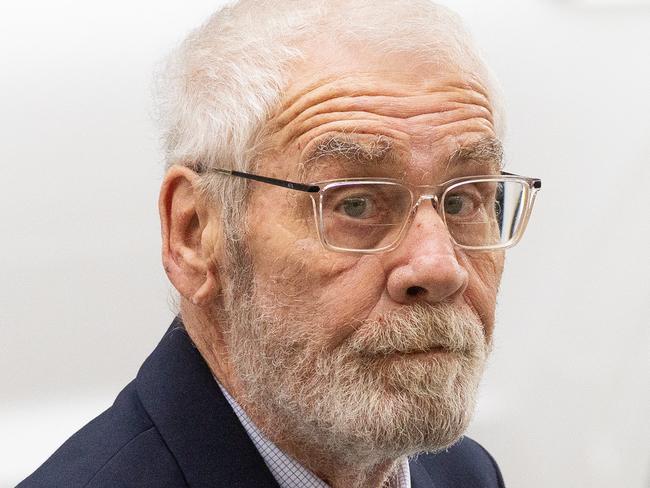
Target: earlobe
206	292
187	235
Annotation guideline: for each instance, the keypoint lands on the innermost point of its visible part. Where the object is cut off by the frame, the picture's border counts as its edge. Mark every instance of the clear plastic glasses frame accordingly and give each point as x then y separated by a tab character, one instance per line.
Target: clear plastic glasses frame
417	194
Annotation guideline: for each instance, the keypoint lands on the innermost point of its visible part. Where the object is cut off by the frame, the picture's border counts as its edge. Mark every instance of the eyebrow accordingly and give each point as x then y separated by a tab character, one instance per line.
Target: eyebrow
487	150
375	151
381	151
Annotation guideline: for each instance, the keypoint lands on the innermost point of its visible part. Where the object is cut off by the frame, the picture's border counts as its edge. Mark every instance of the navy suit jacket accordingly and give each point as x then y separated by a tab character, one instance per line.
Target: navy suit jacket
171	427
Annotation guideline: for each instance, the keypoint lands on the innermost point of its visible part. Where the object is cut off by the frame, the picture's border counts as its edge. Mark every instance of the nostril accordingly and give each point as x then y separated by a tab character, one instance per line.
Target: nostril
414	291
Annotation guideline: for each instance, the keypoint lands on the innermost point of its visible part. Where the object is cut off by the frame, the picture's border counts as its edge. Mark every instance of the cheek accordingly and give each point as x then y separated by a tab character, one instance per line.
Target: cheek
485	275
328	292
347	294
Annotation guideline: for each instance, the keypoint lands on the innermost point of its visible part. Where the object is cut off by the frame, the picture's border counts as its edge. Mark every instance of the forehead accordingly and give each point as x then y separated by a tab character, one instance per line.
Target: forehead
355	107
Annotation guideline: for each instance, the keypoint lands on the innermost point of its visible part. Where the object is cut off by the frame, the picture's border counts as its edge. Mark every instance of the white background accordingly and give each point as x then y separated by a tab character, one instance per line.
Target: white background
83	298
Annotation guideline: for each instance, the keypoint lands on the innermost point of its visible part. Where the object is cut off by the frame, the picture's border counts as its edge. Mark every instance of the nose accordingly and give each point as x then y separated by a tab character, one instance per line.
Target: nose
424	267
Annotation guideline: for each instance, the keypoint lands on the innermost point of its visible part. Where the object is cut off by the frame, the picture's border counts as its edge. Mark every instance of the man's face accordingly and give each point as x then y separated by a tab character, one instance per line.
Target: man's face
375	352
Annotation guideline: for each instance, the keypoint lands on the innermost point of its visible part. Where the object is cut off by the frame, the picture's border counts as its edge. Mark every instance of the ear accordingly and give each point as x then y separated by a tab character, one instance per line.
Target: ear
191	237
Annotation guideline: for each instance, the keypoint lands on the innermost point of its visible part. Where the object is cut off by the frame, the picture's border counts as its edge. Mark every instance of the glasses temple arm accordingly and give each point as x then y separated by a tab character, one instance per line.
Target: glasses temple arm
271	181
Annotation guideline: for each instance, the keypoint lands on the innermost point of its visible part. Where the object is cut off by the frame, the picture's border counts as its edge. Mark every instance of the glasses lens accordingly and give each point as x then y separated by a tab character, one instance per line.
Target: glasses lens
485	213
364	216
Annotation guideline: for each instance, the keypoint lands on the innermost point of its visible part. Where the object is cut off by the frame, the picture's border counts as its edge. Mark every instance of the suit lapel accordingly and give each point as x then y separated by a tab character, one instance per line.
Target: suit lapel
183	400
419	476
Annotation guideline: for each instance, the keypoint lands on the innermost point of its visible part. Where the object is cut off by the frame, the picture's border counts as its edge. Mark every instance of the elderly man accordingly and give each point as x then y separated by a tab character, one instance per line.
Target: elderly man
334	217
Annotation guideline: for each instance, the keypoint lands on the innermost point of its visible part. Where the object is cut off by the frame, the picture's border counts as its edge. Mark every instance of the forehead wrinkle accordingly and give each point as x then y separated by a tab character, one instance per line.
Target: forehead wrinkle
321	90
359	83
376	106
307	103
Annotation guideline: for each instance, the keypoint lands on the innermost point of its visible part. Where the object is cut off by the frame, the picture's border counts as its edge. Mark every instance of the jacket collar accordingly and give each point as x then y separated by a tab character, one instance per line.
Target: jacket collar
200	429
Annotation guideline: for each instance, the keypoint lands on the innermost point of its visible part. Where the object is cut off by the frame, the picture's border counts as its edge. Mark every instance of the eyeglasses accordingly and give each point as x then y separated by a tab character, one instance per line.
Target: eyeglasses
372	215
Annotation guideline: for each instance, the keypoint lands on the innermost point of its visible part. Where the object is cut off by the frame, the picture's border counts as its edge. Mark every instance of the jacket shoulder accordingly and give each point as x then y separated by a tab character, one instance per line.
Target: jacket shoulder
466	464
119	448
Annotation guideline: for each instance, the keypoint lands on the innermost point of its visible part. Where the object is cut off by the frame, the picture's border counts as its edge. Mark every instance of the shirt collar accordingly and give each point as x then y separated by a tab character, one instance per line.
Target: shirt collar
288	472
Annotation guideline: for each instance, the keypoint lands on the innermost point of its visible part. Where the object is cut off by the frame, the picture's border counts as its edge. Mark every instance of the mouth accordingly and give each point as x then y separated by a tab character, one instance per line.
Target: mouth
413	354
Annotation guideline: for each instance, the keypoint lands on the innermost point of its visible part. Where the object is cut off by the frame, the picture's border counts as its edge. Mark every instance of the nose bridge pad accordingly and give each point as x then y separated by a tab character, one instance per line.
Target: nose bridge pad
421	198
427	196
433	198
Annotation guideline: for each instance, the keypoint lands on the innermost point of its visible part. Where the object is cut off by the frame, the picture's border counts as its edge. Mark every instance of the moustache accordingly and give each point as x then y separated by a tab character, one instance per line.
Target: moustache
419	328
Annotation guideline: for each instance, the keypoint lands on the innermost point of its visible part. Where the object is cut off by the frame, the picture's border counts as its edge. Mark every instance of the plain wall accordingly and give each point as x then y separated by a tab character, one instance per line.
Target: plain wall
83	298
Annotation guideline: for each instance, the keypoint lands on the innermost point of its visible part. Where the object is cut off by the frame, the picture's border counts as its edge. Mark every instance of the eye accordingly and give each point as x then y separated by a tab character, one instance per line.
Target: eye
357	207
460	204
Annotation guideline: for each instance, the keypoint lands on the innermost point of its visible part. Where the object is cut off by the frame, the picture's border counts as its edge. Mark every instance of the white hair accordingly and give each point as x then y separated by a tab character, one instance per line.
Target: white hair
228	76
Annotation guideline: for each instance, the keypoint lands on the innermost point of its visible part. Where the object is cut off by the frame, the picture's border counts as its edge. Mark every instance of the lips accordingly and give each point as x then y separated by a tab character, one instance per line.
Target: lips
434	349
414	352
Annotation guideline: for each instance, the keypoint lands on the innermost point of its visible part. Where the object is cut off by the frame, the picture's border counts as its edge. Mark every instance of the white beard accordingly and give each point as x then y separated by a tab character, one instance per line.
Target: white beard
359	403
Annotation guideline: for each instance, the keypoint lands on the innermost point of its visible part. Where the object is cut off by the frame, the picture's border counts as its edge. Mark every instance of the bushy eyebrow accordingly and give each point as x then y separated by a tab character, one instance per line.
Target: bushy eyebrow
487	151
374	151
